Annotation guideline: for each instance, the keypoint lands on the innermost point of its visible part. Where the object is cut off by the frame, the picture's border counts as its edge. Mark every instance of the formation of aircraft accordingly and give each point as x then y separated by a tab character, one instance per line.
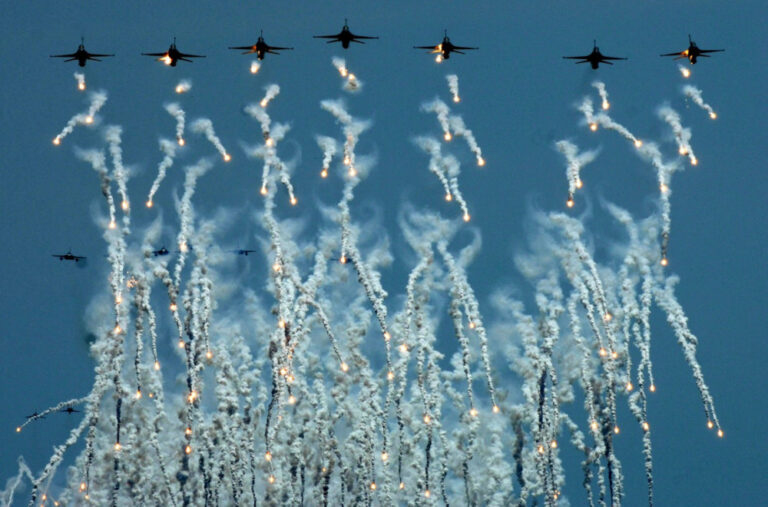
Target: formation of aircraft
693	52
261	48
69	256
81	55
345	37
173	55
595	58
445	48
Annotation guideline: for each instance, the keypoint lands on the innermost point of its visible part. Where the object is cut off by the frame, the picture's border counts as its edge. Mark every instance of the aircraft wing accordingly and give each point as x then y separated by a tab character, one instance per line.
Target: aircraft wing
57	256
677	53
185	55
277	48
710	50
585	57
71	55
242	47
337	36
155	54
79	257
612	58
363	37
99	55
463	47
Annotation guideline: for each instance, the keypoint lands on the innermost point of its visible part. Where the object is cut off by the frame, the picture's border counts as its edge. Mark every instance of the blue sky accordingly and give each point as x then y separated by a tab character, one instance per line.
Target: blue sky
518	98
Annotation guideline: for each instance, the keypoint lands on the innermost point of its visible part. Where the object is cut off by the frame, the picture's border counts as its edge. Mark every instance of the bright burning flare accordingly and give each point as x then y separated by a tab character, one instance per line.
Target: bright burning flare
255	67
227	157
166	59
606	104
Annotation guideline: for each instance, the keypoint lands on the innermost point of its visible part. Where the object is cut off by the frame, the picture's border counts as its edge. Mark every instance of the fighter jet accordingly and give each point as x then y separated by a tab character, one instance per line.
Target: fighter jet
243	252
81	55
345	37
69	256
173	55
69	410
35	415
595	58
445	48
261	48
693	52
162	251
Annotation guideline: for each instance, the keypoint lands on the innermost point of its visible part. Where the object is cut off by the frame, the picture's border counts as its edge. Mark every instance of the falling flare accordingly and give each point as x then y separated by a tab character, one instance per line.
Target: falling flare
255	67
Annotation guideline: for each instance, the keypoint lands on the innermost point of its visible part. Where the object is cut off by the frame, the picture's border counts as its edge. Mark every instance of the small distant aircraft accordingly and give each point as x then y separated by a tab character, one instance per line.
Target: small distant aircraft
243	252
261	48
173	55
69	256
69	410
162	251
345	37
81	55
445	48
693	52
595	58
35	415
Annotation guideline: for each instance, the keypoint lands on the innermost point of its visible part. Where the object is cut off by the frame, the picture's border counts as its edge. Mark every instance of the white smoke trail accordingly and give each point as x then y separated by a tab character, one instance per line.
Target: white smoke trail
695	94
98	162
682	134
175	110
169	150
446	169
575	162
329	147
187	217
352	130
80	81
98	99
268	152
184	86
603	93
113	135
685	71
453	85
442	111
602	119
205	126
460	129
351	83
271	92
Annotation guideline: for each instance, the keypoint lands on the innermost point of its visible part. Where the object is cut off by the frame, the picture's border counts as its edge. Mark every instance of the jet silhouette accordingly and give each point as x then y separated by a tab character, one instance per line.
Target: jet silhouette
69	256
261	48
243	252
445	48
162	251
81	55
693	52
173	55
345	37
595	58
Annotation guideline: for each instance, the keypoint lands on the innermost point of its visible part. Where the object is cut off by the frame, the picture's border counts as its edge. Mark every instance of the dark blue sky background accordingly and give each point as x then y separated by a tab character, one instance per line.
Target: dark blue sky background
518	98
